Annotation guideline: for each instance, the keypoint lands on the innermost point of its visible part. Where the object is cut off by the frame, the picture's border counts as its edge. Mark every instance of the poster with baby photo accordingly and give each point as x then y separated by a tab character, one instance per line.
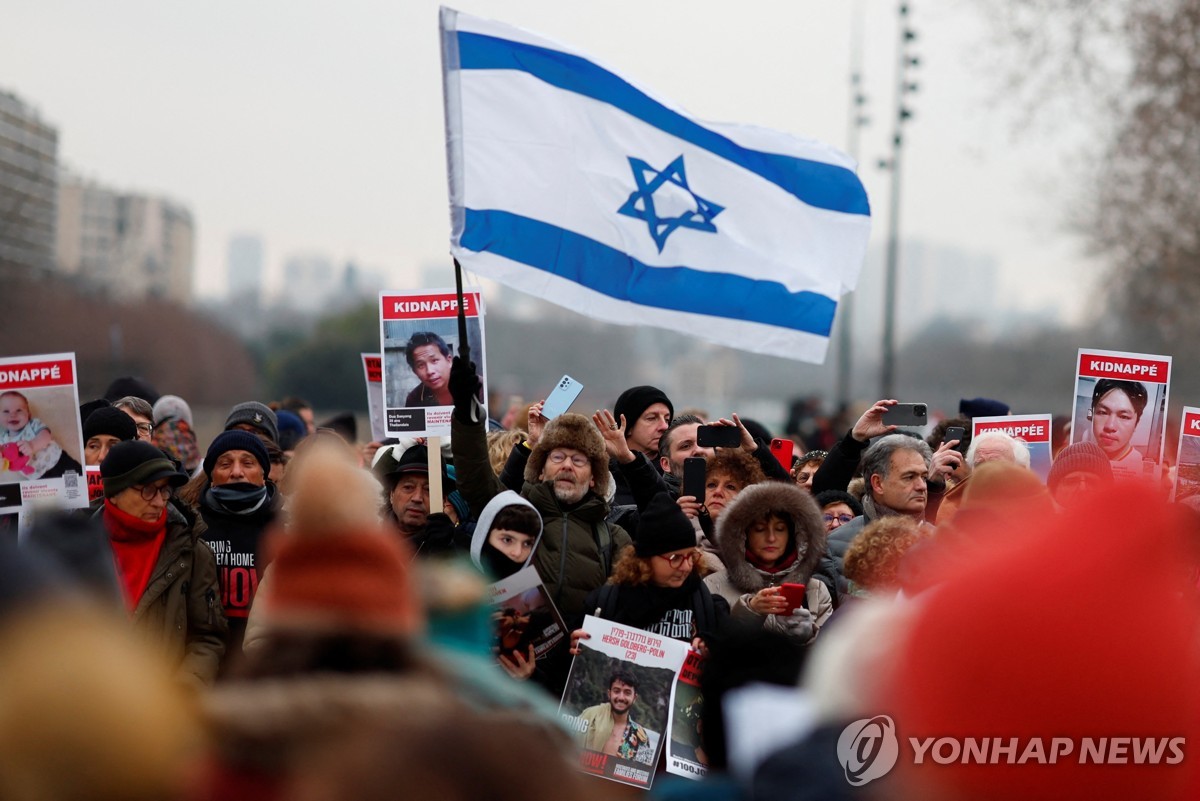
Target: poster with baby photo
1120	404
420	338
41	442
527	624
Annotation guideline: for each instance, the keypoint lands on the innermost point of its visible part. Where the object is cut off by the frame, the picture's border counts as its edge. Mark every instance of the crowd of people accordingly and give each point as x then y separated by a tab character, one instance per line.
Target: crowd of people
282	612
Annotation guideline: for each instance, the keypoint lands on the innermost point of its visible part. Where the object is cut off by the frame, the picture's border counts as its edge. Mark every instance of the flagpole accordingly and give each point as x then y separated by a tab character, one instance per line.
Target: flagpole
858	120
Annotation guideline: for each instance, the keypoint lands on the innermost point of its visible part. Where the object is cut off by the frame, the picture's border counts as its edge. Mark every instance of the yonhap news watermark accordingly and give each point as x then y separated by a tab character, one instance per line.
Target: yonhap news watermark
870	748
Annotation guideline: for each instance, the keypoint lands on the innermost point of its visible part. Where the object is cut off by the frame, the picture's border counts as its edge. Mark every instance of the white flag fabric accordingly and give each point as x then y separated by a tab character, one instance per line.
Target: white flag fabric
571	183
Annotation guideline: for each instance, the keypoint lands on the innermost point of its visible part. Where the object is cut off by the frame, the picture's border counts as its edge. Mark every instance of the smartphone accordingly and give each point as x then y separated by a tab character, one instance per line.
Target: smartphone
718	436
561	397
907	414
694	468
959	433
794	593
782	449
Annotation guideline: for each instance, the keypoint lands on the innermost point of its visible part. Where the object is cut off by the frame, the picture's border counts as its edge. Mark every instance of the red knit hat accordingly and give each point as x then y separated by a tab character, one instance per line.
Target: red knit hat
354	581
1072	626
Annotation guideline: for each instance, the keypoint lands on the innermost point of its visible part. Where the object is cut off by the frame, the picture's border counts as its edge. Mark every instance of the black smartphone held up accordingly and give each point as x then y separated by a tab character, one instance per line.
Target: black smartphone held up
710	436
907	414
959	433
694	468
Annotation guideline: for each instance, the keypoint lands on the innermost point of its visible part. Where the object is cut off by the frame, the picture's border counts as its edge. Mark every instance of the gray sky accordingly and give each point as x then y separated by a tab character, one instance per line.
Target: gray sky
319	126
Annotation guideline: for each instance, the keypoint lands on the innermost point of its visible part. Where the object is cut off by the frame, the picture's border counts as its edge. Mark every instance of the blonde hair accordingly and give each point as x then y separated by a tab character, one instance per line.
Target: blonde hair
873	559
500	445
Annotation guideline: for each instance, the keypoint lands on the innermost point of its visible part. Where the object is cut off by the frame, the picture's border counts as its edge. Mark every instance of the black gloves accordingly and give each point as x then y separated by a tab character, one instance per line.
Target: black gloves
464	389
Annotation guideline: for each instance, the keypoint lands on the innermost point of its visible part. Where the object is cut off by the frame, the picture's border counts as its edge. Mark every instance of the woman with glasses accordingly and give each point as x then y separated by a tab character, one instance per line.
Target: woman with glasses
657	584
837	508
168	576
772	534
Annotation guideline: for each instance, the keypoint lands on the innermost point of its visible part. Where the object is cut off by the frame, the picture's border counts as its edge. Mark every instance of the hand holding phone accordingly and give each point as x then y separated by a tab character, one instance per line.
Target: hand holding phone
712	436
782	450
957	433
694	474
561	397
907	415
794	594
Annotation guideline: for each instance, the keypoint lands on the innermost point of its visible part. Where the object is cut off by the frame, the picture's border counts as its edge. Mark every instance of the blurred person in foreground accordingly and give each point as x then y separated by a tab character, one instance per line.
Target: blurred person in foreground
343	659
88	711
1067	671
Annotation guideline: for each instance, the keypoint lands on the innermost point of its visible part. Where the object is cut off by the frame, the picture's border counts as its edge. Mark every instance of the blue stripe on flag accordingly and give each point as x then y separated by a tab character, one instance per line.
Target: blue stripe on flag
611	272
825	186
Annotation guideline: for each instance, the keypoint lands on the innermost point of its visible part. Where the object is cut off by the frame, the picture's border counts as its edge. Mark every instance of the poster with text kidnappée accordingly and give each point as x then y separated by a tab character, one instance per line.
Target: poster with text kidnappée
1120	404
419	336
1187	459
617	699
41	440
1032	429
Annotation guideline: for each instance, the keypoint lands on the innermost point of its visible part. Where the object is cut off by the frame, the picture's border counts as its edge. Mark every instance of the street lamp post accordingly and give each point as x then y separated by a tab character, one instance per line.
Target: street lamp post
904	87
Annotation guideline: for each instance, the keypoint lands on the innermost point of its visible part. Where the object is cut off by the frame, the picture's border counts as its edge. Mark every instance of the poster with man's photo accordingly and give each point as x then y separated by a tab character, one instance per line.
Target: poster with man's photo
618	698
685	749
527	623
419	336
1187	459
41	441
373	372
1032	429
1121	406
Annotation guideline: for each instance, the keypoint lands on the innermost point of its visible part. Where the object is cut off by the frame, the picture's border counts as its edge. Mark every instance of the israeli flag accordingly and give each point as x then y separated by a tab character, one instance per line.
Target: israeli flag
571	183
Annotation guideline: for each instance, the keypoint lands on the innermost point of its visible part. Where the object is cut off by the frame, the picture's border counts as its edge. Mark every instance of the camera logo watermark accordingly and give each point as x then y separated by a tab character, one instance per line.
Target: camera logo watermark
868	749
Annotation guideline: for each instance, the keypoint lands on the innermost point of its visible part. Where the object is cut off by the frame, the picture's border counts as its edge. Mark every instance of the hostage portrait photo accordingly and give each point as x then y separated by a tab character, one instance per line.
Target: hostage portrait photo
417	356
40	436
616	707
1125	418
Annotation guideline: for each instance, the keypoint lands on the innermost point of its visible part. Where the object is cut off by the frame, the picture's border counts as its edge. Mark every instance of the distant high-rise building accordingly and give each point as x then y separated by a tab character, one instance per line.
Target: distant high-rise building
127	244
308	282
245	265
28	186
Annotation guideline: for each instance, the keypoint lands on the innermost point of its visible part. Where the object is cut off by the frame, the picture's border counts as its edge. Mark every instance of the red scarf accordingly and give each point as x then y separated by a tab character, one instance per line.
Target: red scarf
135	544
783	563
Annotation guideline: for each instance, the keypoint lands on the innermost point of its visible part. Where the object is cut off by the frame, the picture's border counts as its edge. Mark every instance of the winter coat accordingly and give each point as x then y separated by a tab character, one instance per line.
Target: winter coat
181	607
235	541
578	546
740	580
676	612
484	525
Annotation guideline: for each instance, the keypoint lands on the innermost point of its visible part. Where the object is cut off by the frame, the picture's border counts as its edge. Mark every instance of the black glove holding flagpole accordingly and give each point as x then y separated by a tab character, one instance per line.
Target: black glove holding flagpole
464	377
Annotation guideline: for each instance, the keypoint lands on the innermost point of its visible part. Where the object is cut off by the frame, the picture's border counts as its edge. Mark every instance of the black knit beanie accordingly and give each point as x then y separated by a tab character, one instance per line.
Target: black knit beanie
129	464
111	421
636	400
663	527
237	440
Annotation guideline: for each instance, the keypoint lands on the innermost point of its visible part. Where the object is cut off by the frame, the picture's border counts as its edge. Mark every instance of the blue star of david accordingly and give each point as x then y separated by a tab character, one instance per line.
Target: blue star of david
641	203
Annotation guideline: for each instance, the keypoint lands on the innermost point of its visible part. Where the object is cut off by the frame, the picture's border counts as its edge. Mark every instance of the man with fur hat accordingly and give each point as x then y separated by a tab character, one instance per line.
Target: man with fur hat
566	479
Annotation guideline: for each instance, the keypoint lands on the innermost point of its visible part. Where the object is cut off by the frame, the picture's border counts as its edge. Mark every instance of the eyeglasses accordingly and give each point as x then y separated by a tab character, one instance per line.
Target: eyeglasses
577	459
144	428
677	559
843	519
149	491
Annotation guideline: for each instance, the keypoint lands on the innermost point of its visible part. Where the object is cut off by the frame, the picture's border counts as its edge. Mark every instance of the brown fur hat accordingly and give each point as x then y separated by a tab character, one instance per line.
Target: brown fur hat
751	505
571	431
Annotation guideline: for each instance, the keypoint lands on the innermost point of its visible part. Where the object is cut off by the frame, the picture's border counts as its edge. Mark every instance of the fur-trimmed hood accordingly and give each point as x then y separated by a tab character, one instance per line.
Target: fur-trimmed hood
748	507
571	431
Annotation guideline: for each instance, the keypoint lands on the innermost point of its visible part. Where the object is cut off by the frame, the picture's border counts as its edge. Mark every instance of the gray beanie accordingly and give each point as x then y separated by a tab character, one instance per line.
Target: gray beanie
256	415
